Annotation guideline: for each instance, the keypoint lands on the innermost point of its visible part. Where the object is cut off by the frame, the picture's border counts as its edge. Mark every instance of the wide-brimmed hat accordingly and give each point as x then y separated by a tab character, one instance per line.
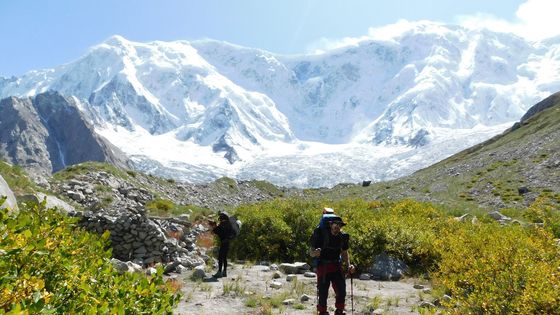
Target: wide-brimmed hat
338	220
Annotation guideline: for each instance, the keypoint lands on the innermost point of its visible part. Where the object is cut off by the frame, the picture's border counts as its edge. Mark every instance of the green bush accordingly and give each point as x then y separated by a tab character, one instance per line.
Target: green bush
49	265
493	269
280	230
165	207
486	268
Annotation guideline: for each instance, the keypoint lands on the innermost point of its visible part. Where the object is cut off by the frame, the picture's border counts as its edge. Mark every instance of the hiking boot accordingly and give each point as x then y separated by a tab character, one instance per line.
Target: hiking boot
224	274
339	312
217	275
324	313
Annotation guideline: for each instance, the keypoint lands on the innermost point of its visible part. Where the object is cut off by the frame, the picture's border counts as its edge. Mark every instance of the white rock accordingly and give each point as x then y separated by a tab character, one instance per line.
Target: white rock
365	276
288	301
276	285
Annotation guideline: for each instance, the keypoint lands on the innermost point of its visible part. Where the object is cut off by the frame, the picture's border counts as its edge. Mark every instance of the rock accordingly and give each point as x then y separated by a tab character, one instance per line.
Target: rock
309	274
75	195
295	268
274	267
198	273
54	202
498	216
276	275
418	286
378	311
288	301
365	276
465	217
133	267
425	304
304	298
171	267
522	190
426	291
120	266
5	190
387	268
181	269
276	285
290	278
151	271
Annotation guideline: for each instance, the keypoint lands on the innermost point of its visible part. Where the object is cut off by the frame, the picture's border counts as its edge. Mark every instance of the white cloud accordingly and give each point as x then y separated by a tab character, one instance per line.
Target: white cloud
535	20
325	44
384	33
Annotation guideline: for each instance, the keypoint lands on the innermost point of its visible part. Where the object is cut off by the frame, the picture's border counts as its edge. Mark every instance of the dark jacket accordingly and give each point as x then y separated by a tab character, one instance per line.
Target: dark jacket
331	245
224	231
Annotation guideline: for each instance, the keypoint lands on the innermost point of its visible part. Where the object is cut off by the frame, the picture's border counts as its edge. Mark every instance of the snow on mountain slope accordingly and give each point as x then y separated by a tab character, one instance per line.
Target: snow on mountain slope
378	109
163	87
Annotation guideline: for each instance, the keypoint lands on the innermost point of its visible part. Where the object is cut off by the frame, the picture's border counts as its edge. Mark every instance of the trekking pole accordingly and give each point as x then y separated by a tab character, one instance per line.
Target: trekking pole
352	292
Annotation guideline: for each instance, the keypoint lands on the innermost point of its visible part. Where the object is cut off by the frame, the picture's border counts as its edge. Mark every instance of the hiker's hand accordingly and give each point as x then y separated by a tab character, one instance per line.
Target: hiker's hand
351	269
316	252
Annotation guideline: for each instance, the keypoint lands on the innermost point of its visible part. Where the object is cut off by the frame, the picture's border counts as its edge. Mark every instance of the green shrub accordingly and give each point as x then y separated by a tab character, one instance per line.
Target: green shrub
280	230
49	265
165	207
491	269
485	267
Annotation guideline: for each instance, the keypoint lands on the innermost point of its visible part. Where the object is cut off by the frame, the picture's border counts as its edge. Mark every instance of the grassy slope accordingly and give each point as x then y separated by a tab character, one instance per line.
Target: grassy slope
485	176
17	179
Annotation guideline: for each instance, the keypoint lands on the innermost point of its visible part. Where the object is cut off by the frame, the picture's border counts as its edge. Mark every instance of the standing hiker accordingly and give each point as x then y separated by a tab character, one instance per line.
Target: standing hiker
225	233
330	246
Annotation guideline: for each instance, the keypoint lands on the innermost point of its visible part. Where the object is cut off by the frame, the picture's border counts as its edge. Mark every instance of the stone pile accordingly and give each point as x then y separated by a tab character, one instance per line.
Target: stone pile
117	206
146	241
123	195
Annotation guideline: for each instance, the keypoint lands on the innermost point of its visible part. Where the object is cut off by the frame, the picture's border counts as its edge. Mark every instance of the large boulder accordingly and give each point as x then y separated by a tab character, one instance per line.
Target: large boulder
5	190
386	267
295	268
52	202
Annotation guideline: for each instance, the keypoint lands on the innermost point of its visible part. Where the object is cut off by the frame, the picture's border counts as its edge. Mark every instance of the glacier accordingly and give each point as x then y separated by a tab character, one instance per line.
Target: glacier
377	109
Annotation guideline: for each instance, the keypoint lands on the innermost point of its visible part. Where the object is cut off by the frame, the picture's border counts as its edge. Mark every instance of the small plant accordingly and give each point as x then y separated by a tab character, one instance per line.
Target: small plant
252	301
299	306
374	303
233	288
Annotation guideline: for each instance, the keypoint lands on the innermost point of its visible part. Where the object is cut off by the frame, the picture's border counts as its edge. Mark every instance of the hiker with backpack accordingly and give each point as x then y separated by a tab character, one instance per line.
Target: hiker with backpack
225	233
330	246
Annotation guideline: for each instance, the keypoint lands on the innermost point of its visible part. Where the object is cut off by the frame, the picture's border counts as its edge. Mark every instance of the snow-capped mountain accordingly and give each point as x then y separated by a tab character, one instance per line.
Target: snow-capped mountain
375	110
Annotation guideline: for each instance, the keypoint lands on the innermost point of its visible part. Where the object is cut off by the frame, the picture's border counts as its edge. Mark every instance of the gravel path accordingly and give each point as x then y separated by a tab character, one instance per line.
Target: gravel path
247	291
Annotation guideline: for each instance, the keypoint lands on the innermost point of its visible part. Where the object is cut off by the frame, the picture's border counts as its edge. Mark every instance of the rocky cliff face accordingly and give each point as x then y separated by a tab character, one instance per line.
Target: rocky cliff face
47	133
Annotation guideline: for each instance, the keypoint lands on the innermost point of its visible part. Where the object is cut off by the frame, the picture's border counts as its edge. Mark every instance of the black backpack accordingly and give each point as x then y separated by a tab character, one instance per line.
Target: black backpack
235	227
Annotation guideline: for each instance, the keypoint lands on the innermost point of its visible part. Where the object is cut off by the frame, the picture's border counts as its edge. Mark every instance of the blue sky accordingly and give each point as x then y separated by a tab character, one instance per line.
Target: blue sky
43	34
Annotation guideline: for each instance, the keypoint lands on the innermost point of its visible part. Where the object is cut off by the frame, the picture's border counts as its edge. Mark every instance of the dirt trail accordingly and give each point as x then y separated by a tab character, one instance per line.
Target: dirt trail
247	291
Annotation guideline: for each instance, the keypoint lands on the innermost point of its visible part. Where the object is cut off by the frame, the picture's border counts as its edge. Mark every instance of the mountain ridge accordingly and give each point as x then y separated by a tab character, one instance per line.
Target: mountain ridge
229	108
46	133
